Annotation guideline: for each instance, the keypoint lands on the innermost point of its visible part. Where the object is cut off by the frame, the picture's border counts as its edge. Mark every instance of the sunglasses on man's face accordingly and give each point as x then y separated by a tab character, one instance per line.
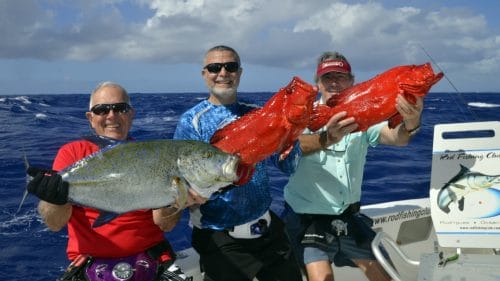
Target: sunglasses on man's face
216	67
104	108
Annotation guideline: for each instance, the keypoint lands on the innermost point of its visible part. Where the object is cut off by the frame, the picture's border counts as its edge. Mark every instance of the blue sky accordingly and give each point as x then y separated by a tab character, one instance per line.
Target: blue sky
153	46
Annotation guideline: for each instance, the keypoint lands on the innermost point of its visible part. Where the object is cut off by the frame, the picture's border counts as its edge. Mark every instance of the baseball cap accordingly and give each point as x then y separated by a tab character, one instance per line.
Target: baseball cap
333	65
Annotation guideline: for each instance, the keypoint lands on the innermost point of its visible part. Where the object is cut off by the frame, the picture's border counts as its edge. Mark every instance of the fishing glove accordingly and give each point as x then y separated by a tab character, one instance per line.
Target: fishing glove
48	185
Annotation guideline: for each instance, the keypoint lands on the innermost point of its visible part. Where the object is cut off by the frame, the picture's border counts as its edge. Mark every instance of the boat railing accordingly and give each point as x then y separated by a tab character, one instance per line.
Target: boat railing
384	240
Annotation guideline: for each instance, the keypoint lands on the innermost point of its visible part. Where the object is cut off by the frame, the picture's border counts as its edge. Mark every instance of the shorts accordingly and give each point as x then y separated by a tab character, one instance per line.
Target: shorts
269	257
340	250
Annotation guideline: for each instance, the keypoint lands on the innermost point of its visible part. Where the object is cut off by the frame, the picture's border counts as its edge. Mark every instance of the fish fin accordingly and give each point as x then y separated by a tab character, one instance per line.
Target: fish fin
410	98
459	186
101	141
181	186
445	209
395	120
463	170
285	152
461	203
437	77
334	100
104	218
410	90
319	117
217	136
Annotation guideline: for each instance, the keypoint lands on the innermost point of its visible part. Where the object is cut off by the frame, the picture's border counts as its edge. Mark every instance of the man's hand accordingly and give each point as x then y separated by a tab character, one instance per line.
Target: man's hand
194	198
410	112
48	185
337	127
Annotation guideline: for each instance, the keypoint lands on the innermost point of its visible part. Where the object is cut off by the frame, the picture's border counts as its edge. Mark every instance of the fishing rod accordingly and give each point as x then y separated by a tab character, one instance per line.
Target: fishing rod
460	95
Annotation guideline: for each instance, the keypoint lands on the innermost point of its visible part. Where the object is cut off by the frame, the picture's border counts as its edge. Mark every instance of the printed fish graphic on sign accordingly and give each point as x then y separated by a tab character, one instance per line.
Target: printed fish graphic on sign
147	175
374	101
272	128
464	183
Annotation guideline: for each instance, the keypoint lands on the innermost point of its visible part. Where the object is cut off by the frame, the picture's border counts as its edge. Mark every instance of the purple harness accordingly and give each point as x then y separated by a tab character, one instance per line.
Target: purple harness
136	267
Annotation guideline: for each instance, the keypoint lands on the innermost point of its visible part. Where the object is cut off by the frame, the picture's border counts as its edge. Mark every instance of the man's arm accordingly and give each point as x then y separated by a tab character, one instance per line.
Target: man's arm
337	127
166	218
54	216
53	193
402	134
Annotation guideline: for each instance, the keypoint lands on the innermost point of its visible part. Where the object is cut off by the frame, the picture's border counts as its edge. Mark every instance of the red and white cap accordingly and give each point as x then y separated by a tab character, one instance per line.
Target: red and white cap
333	66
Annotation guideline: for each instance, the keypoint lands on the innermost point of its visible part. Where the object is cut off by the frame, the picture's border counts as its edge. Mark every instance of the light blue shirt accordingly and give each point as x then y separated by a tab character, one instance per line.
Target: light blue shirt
329	180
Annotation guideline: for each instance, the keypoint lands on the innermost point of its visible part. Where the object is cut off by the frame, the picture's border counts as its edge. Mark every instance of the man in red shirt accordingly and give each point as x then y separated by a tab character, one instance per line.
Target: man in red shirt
137	235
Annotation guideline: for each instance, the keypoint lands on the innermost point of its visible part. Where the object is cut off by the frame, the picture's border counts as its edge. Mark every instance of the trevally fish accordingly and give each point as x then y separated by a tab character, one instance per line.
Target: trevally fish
465	182
147	175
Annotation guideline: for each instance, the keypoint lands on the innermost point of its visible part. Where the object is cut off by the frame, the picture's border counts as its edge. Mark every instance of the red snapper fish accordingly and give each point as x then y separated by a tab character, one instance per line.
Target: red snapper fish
374	100
272	128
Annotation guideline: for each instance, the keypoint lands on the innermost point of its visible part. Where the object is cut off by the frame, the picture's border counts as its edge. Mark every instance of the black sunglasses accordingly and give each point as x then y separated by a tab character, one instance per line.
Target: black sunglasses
104	108
217	66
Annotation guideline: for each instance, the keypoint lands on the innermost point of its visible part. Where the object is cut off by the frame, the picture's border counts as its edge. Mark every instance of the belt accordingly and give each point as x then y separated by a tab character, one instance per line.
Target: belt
352	209
252	229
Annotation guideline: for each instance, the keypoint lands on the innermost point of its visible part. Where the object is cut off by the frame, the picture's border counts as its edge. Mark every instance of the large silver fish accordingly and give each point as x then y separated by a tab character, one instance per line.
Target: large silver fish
465	182
148	174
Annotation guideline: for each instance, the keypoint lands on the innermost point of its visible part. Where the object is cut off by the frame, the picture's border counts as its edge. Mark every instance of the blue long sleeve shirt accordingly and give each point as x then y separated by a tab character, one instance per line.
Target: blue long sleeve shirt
237	205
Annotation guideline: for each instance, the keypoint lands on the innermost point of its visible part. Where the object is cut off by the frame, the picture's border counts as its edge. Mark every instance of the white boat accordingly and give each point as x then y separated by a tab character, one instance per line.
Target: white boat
412	216
431	238
408	225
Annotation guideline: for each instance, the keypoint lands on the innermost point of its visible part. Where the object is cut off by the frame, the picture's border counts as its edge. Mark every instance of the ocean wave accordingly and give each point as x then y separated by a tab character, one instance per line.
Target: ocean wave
23	99
170	118
19	108
18	223
483	104
41	116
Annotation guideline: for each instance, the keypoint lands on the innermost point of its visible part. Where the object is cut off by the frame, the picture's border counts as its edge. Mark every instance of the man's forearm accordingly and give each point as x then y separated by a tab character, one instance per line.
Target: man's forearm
54	216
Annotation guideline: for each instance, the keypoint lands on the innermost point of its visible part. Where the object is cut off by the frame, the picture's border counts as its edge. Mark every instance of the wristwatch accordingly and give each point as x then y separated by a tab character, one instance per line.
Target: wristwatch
413	131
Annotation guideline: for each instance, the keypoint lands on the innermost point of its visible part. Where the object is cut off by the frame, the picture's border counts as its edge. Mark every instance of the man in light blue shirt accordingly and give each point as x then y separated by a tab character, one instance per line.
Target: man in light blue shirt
322	196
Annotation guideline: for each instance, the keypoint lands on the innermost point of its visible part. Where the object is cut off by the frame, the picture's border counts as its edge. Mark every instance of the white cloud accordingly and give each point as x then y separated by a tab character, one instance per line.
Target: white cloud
287	34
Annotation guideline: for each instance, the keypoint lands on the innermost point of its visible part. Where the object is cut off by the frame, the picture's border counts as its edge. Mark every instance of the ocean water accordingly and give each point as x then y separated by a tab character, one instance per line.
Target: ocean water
38	125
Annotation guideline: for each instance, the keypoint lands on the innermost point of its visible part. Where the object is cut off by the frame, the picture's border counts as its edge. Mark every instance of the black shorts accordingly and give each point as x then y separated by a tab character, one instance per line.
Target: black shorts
313	238
268	257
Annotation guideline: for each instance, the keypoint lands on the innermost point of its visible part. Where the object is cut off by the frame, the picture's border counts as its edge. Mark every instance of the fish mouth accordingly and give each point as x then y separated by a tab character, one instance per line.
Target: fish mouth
230	167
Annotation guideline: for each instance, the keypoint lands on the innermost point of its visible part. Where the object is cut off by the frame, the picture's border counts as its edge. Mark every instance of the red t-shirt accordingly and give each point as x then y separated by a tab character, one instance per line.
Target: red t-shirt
126	235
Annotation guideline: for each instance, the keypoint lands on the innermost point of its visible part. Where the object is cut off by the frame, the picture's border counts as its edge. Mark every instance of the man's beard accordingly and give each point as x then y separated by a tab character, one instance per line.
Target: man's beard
224	93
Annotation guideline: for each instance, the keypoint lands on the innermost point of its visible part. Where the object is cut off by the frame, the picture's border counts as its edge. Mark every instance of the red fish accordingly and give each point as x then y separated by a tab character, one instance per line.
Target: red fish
272	128
374	101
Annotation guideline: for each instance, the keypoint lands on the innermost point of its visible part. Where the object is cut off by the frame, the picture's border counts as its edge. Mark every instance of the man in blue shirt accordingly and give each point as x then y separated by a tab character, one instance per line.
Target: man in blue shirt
234	232
323	195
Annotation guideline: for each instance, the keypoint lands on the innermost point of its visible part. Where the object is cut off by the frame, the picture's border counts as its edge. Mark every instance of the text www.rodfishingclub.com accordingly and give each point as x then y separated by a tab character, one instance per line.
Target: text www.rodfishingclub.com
403	215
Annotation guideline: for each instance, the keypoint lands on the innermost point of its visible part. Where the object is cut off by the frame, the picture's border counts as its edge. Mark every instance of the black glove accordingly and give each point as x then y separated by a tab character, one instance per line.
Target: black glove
48	185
